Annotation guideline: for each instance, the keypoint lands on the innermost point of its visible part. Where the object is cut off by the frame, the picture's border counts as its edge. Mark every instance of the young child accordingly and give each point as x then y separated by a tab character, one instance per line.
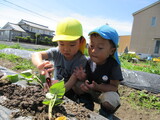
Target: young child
103	69
67	56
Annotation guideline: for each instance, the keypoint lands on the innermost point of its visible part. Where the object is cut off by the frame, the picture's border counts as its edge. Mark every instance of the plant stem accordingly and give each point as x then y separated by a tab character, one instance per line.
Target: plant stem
51	104
39	81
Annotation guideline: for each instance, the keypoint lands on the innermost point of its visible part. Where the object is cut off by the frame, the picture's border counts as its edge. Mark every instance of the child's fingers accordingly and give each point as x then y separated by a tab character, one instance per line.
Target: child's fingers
84	88
81	68
42	72
54	81
50	70
48	65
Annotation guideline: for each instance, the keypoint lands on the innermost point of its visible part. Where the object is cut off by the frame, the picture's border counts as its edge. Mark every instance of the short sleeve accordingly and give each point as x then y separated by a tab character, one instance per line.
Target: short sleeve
52	53
116	73
81	60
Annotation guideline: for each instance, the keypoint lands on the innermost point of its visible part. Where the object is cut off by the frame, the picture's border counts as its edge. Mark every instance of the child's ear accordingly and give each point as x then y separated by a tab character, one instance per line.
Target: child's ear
112	51
82	40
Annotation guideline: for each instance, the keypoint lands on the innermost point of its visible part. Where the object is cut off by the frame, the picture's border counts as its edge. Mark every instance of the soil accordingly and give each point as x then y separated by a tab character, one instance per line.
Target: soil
32	100
29	101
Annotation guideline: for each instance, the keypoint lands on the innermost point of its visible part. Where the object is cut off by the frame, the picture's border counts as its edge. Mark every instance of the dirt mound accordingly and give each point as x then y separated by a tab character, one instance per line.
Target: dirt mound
29	101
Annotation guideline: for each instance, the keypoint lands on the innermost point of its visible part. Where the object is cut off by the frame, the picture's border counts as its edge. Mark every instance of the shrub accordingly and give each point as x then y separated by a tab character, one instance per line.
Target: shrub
128	56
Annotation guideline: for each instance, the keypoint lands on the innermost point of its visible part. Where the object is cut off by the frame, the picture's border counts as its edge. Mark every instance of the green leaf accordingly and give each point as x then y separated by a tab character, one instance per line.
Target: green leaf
29	81
27	74
42	78
58	88
46	101
13	78
58	102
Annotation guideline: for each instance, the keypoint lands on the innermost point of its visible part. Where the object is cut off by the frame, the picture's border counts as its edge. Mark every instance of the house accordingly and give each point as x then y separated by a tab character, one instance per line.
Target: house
31	27
124	43
24	28
10	30
145	38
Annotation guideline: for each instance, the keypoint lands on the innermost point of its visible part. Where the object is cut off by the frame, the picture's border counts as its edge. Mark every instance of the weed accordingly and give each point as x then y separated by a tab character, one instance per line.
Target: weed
143	99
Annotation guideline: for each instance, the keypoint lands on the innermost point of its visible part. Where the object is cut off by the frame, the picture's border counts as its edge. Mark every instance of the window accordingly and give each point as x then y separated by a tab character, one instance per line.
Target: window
157	47
153	22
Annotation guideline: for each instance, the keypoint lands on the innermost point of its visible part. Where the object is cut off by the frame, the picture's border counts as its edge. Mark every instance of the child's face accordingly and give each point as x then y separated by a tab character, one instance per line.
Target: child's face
100	49
69	49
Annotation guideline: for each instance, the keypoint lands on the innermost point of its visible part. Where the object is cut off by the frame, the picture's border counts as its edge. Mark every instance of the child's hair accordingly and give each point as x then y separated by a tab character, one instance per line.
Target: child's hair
110	41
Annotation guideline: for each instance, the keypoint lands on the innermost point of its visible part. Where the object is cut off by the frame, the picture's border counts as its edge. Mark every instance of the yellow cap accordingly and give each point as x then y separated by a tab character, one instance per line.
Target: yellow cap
69	29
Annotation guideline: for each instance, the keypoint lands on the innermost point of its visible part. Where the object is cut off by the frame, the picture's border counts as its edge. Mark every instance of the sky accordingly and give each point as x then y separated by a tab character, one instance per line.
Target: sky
91	13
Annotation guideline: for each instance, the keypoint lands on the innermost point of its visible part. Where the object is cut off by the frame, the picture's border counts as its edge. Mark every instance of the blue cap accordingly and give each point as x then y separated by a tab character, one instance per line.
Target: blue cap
108	33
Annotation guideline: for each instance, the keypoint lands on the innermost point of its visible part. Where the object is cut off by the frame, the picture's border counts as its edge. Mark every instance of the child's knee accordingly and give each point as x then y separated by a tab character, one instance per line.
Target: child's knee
110	100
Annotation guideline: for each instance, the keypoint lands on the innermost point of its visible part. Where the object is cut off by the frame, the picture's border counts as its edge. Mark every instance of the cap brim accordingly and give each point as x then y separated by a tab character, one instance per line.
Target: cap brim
100	33
65	38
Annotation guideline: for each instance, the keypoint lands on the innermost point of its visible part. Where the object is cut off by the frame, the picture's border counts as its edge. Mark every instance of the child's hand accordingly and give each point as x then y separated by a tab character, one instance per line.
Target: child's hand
88	86
92	85
46	66
79	73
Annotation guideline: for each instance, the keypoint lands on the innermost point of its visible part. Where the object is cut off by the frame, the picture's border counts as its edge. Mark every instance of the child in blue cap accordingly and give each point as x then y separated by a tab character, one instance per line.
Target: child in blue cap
103	71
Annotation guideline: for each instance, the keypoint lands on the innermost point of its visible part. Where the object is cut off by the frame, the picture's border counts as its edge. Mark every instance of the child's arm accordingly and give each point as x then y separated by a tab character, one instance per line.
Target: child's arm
78	74
70	83
113	86
37	60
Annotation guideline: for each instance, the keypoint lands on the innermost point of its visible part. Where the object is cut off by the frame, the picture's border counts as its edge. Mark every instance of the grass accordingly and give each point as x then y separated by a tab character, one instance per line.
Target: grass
17	46
19	63
147	66
144	99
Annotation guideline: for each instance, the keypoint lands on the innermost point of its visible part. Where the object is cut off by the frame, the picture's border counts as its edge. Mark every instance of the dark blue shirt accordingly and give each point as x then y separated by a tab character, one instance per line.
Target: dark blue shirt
110	70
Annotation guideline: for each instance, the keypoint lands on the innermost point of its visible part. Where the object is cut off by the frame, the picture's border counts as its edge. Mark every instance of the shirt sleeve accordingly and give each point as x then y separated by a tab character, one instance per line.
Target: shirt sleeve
116	73
52	53
80	61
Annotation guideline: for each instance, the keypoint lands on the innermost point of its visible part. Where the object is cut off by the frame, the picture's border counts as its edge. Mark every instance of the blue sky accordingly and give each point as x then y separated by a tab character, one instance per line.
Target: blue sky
91	13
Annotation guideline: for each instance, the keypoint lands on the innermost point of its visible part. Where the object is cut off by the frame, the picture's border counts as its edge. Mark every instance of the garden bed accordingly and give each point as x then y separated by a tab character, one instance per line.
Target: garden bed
27	101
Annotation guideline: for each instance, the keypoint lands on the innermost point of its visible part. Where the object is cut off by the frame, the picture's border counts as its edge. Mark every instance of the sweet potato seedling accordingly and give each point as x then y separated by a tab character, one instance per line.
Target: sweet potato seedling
54	96
28	76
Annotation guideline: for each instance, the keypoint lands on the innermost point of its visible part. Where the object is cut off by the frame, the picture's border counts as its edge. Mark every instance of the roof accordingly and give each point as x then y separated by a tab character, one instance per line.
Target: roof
13	26
34	25
147	7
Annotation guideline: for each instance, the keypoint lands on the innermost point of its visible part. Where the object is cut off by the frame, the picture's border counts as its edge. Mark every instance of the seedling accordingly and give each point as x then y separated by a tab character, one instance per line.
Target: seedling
54	96
28	76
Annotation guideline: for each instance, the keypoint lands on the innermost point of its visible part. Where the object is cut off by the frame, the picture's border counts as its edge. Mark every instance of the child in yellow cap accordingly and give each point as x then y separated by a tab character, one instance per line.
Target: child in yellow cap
67	56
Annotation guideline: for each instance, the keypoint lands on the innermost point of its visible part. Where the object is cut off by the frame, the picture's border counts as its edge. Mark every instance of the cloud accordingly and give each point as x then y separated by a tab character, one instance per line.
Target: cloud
89	23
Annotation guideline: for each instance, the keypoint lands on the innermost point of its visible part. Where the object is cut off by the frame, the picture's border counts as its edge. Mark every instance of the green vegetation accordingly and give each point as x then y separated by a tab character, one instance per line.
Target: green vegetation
37	39
144	99
17	46
28	76
145	66
20	63
54	96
